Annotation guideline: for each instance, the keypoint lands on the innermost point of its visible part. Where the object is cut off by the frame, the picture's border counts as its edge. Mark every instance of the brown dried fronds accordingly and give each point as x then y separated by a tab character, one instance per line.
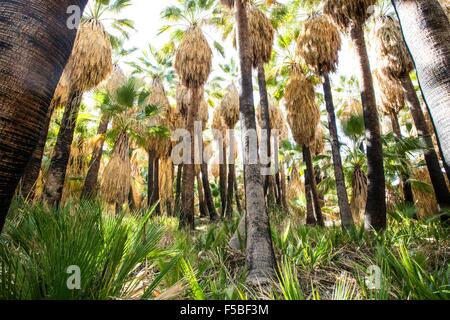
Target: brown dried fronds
347	12
262	35
193	58
359	194
90	62
229	106
390	50
319	44
303	114
390	92
425	200
116	178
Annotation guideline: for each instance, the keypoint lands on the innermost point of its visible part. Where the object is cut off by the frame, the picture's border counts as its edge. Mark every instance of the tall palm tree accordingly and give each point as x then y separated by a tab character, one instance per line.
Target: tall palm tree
261	40
350	16
319	45
395	63
391	102
229	109
89	64
259	251
426	31
46	38
303	118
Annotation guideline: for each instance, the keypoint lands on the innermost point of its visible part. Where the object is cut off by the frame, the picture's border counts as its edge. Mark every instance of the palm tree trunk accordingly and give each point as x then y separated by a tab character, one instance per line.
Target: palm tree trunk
375	217
31	174
187	196
223	180
283	187
201	197
231	175
178	190
310	217
259	255
341	190
208	194
150	177
265	120
58	166
437	177
312	185
155	193
36	44
406	186
426	31
90	183
236	195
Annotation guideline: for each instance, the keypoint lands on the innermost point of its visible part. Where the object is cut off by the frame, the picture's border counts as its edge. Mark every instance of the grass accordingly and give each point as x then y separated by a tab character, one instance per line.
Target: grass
410	260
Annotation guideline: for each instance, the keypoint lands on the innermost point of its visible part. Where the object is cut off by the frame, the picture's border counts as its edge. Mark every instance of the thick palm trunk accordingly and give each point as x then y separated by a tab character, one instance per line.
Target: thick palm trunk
35	46
341	190
313	186
375	217
426	31
437	177
265	121
406	186
90	183
259	254
58	166
208	194
187	196
223	181
31	174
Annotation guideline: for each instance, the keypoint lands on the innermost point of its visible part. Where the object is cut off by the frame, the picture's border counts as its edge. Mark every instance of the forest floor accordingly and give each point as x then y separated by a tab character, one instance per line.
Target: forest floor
140	256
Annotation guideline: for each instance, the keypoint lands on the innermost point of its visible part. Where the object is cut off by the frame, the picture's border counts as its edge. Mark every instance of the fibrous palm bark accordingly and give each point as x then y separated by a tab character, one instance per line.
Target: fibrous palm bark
426	31
259	251
36	44
91	181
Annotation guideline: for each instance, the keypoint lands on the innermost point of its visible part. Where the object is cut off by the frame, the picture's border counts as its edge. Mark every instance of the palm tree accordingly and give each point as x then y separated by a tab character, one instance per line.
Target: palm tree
46	39
395	63
130	112
229	110
391	102
260	255
303	116
114	82
319	45
261	40
426	30
350	15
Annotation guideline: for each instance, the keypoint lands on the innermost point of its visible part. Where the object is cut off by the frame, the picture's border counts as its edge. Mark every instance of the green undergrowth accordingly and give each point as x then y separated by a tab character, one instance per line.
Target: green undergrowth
142	256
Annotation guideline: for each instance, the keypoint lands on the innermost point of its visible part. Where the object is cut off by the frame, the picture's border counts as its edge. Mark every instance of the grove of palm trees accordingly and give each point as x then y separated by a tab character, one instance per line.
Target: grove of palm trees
224	150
